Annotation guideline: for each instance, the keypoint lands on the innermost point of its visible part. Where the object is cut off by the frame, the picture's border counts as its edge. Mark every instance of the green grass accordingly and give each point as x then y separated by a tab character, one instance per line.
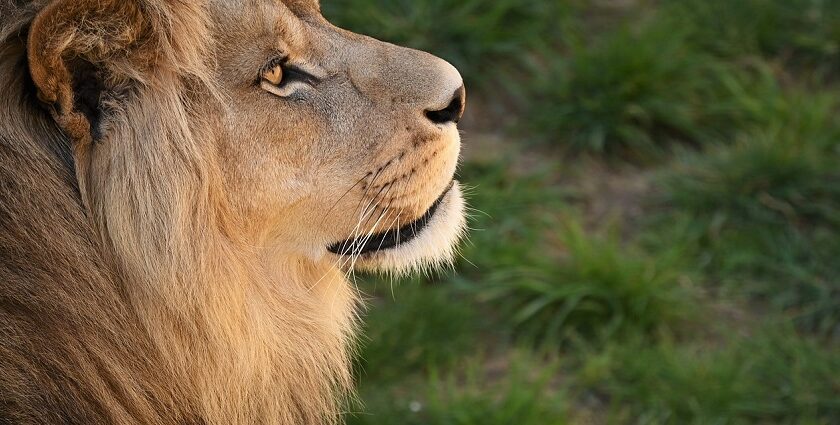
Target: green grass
782	170
626	93
597	288
771	377
763	179
803	33
637	91
523	396
413	327
712	296
764	213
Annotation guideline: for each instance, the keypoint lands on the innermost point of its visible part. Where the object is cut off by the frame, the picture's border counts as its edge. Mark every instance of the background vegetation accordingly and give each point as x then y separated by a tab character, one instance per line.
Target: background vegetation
657	195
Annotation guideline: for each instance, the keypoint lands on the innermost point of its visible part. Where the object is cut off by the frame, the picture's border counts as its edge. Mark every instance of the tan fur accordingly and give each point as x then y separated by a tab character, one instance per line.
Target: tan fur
165	262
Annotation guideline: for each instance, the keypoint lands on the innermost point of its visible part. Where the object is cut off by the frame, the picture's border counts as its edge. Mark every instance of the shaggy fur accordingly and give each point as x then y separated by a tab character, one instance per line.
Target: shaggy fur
164	215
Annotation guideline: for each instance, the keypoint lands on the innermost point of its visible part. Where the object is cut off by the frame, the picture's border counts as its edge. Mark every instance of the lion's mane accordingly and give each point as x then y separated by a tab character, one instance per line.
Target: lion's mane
125	295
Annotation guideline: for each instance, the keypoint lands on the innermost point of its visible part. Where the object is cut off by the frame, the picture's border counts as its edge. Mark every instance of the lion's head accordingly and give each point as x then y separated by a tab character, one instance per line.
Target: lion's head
213	169
325	142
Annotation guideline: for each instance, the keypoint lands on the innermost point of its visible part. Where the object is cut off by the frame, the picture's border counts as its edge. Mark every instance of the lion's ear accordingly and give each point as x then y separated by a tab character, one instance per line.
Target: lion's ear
74	48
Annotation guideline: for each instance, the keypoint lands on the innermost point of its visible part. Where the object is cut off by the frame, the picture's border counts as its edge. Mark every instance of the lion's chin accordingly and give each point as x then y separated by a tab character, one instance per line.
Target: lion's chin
432	247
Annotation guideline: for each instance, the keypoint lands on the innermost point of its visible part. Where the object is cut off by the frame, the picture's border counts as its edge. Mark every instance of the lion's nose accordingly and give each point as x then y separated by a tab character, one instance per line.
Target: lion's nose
453	111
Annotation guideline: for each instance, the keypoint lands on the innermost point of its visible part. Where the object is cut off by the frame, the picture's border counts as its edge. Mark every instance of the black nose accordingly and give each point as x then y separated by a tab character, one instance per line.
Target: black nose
453	112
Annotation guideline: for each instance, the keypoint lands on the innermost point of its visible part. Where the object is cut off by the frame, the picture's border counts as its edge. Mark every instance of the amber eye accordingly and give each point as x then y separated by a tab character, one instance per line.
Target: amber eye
274	75
284	79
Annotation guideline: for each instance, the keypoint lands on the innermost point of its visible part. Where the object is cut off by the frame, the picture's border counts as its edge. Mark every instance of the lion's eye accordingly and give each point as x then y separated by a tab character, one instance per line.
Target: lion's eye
274	75
283	79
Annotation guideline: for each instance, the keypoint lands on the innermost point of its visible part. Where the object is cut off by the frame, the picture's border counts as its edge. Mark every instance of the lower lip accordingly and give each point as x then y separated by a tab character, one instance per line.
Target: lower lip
392	238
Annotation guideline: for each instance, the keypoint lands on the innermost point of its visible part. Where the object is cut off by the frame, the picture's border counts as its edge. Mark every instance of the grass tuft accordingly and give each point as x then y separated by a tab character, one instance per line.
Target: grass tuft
599	289
636	92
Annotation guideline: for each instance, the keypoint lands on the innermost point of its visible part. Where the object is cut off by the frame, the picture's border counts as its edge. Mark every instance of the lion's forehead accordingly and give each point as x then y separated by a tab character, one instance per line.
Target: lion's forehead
283	25
301	8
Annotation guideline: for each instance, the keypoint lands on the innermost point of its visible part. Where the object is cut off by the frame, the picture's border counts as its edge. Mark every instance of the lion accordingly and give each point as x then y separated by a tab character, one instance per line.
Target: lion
185	187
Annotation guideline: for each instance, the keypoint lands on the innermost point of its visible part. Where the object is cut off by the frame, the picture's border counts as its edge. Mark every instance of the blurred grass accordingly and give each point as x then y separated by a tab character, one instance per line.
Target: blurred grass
661	217
646	86
765	212
609	97
510	209
522	396
401	328
770	377
598	289
803	33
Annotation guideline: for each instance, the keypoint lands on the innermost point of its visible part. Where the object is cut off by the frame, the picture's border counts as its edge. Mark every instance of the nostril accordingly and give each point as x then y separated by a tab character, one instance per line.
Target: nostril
453	112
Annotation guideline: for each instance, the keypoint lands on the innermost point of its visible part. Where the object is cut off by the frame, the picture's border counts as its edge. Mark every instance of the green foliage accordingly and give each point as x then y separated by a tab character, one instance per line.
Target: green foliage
765	213
763	179
599	288
635	92
626	93
523	397
413	327
727	111
802	32
772	377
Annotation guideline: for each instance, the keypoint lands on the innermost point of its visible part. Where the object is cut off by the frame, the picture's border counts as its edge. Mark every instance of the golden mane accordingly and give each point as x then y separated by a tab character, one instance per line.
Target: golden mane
121	275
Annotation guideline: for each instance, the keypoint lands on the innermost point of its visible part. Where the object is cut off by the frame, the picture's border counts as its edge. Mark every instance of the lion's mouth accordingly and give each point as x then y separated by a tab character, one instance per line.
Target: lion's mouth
391	238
